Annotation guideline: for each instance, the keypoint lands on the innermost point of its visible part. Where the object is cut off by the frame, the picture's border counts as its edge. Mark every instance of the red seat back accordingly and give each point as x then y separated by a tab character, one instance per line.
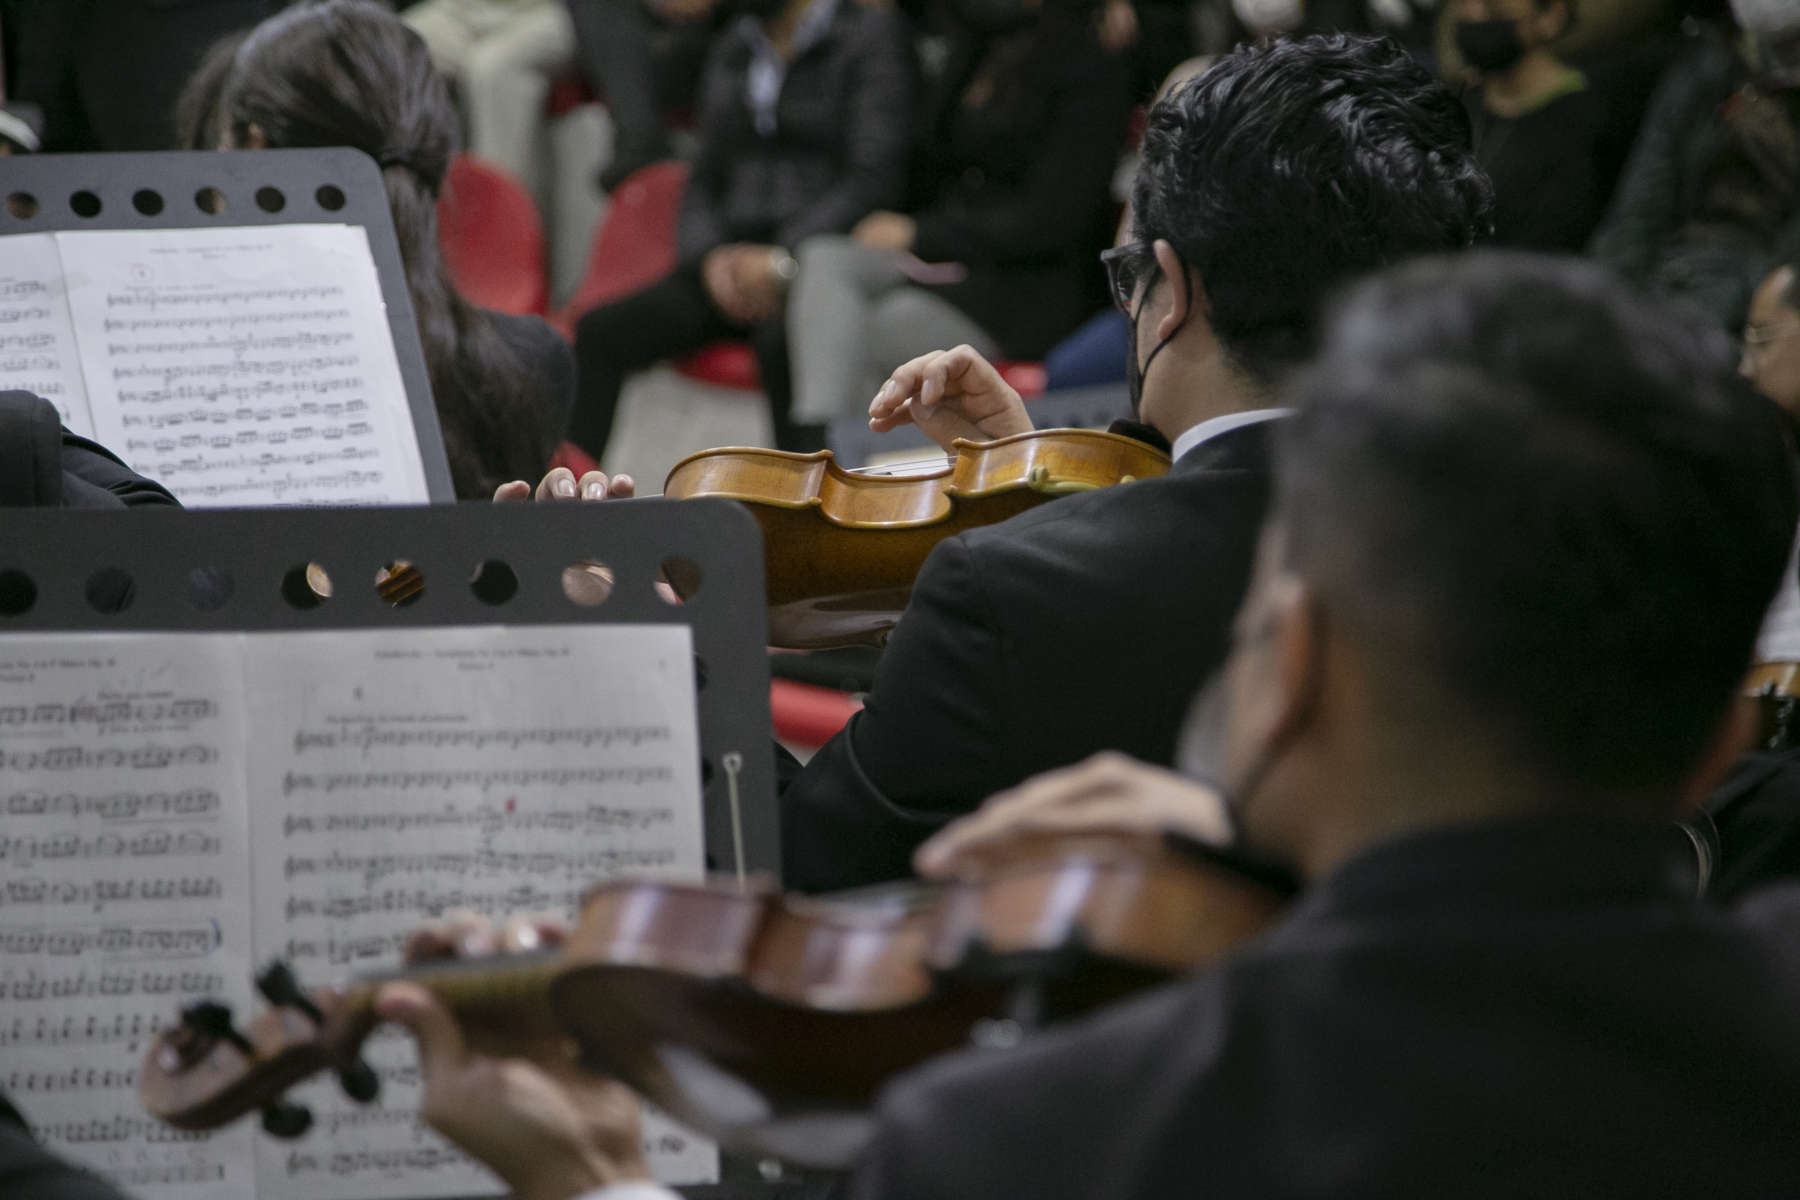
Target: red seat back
634	246
492	238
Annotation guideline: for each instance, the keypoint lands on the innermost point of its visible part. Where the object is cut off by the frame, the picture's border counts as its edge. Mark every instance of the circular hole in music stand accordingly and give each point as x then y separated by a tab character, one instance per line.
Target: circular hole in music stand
306	586
209	588
147	201
17	593
110	590
699	673
400	583
588	582
22	205
270	199
683	577
494	582
706	771
85	204
330	197
210	200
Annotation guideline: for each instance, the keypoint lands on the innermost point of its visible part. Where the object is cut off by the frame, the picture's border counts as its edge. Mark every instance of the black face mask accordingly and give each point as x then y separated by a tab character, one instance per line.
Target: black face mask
1135	371
1489	46
762	10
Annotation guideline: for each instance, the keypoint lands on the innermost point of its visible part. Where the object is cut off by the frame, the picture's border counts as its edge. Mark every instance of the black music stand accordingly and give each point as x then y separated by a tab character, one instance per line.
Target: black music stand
244	570
53	193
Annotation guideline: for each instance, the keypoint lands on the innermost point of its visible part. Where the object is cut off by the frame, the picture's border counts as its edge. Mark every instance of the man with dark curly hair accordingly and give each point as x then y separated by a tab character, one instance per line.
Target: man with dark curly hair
1087	624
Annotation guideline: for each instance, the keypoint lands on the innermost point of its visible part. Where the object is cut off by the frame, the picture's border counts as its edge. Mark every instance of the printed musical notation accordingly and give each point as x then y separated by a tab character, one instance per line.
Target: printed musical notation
123	889
247	334
38	352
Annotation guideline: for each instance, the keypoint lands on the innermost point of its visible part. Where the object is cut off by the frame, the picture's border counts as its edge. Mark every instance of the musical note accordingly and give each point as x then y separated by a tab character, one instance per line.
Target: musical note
258	363
38	350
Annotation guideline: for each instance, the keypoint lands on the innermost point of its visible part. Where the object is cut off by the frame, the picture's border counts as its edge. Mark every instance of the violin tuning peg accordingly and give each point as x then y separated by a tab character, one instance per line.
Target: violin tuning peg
360	1081
286	1120
282	989
211	1020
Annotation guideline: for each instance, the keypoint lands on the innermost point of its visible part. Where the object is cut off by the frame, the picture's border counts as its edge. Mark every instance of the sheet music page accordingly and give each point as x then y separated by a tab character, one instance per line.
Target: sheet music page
398	774
37	340
244	366
124	890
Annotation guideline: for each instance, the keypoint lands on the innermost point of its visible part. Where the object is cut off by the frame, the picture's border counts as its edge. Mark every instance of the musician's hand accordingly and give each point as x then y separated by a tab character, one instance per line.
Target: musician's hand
550	1134
1109	793
950	394
886	231
759	288
561	484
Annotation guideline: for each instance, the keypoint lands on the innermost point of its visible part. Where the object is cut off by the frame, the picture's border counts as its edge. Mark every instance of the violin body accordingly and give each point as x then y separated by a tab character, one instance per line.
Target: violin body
769	1022
843	547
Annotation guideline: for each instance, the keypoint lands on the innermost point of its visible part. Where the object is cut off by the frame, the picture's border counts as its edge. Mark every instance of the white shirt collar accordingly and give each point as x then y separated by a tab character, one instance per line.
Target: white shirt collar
1205	431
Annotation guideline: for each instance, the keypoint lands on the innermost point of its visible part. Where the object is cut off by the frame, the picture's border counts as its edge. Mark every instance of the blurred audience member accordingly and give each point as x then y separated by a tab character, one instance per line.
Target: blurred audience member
349	73
1710	200
1011	197
106	72
502	55
1539	129
1756	810
43	465
646	58
803	130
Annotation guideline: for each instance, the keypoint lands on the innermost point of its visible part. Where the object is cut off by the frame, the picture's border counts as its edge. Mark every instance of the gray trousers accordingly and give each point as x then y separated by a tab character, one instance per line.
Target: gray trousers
852	318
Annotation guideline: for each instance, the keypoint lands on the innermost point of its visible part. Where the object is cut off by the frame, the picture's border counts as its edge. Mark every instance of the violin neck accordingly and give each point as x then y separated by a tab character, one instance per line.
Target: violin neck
502	1003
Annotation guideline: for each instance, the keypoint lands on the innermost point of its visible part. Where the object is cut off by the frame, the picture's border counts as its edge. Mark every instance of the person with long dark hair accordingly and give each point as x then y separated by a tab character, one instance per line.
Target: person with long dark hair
349	73
1010	199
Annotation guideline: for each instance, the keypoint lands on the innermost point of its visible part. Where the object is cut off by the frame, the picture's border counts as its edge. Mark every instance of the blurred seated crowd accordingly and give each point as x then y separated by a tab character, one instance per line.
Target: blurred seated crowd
868	181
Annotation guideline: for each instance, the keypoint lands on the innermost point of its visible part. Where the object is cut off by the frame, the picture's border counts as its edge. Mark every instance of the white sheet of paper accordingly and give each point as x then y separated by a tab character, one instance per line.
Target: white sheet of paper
244	366
124	866
37	341
397	774
1780	637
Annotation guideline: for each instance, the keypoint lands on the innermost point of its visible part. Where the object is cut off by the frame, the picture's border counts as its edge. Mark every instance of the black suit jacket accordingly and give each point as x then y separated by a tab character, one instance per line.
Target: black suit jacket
1498	1012
29	1172
1083	625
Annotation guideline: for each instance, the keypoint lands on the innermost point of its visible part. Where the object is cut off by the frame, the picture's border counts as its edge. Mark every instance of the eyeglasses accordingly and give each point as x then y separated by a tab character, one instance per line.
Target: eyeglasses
1127	267
1758	336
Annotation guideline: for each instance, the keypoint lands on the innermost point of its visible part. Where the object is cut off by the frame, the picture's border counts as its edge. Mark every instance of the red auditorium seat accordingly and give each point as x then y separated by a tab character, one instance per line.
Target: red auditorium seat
634	246
492	238
805	715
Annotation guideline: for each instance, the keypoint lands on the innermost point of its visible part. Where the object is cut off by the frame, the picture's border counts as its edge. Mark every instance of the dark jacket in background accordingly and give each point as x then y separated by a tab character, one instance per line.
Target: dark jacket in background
43	465
1019	189
1548	166
1757	813
1489	1013
546	360
1086	624
1648	234
838	151
107	72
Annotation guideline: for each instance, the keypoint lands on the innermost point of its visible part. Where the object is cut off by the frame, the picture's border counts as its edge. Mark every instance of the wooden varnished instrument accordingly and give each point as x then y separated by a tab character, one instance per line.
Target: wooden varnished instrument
765	1021
843	547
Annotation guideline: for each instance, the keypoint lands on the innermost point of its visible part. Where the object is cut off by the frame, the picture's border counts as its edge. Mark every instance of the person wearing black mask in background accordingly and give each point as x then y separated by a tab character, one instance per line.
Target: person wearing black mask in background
1539	128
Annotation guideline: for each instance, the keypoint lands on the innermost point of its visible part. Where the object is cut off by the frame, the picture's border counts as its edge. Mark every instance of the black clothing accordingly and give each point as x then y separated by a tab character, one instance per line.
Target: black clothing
547	361
643	66
838	150
107	72
1086	624
1019	189
43	465
31	1173
671	317
1546	165
1757	813
1696	215
1492	1011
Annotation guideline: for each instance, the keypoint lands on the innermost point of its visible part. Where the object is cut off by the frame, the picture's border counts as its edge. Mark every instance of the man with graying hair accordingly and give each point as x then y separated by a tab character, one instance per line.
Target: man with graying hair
1524	528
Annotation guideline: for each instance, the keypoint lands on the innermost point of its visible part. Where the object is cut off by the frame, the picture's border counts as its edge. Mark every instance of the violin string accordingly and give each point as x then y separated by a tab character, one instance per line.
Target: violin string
906	465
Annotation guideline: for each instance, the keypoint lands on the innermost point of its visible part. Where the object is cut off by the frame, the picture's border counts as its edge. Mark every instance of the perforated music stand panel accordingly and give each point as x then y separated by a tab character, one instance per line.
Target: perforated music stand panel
55	192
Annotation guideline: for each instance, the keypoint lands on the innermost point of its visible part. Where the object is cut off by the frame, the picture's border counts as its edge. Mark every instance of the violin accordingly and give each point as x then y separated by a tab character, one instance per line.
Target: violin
843	547
765	1021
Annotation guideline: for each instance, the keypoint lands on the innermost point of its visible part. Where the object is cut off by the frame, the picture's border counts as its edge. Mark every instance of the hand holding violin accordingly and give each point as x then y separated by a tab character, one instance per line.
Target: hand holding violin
950	394
1108	793
549	1131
